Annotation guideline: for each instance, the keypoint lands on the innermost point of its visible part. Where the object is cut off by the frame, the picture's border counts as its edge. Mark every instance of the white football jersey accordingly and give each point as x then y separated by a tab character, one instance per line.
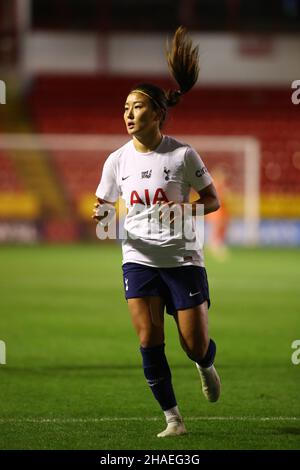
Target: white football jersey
144	180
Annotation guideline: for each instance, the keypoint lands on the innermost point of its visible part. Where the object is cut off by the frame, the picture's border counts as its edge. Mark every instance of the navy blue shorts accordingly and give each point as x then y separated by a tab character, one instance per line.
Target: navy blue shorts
181	287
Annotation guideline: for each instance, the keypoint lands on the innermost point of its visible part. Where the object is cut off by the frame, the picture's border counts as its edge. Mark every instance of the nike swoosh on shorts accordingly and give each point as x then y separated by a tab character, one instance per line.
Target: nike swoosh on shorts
195	293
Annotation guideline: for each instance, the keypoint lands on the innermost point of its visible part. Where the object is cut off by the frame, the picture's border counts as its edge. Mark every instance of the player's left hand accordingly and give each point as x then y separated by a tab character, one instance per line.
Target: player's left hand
169	211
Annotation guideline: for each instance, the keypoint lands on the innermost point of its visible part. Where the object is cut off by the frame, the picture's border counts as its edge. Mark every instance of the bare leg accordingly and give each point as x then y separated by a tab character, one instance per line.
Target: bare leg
192	324
147	316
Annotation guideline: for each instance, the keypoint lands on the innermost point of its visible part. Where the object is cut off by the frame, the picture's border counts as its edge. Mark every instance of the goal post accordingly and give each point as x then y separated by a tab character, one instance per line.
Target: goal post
237	157
240	157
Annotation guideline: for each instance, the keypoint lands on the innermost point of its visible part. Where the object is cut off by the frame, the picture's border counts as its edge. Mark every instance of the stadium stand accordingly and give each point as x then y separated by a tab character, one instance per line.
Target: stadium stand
57	187
94	105
31	171
9	179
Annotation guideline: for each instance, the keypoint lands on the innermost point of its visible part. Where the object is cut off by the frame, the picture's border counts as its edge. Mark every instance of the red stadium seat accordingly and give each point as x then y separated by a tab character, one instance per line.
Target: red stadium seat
94	105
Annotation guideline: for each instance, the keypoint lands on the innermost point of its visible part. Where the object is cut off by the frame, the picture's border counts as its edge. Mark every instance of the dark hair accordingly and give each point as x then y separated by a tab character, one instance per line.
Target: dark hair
183	62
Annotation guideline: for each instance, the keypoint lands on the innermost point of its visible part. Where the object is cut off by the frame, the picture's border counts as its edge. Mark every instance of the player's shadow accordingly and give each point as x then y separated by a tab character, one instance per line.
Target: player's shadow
289	430
105	367
80	367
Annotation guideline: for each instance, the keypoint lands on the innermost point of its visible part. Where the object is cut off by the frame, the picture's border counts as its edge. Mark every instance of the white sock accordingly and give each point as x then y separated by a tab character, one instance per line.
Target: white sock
172	414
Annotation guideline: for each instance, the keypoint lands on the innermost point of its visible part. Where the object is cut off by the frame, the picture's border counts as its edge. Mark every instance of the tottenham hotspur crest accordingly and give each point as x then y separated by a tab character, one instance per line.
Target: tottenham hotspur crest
166	172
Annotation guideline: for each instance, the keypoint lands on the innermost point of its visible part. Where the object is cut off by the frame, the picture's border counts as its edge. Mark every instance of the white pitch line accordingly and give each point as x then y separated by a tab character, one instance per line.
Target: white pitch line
111	419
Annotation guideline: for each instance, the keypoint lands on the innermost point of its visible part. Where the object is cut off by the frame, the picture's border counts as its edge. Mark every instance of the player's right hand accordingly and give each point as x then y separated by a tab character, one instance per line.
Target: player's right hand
103	210
95	211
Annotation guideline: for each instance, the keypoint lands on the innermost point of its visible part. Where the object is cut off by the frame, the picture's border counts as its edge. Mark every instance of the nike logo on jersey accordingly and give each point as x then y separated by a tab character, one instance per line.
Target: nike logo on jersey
195	293
125	177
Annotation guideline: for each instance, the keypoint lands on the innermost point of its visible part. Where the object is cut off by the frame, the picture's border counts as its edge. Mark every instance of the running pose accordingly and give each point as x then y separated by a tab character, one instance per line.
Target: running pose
160	269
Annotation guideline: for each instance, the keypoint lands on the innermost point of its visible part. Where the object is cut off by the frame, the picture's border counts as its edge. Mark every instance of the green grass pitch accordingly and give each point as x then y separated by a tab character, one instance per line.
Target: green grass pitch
73	377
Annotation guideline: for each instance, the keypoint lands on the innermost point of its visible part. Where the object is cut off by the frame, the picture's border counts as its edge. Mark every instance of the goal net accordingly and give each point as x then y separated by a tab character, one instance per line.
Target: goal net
234	163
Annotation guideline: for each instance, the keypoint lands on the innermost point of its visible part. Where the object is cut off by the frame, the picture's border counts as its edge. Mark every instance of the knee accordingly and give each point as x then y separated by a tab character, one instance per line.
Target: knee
195	350
150	338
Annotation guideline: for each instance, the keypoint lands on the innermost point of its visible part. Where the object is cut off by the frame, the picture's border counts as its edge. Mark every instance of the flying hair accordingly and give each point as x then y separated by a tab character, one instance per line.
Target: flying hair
183	63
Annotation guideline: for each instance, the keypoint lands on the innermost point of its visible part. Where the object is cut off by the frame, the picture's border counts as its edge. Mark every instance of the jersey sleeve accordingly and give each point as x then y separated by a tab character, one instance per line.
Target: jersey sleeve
195	172
108	187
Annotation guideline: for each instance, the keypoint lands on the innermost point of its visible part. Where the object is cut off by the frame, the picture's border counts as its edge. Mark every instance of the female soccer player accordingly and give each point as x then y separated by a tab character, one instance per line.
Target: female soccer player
160	269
